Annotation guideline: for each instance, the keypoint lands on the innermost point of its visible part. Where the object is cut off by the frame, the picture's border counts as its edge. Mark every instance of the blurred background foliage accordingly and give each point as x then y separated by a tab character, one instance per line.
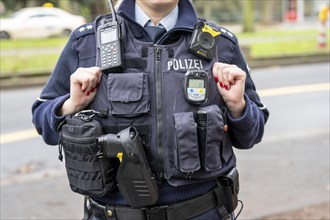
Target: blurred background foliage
266	28
246	12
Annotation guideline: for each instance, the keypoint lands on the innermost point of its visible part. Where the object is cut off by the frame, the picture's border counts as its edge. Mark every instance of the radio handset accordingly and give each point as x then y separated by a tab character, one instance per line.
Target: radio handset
109	44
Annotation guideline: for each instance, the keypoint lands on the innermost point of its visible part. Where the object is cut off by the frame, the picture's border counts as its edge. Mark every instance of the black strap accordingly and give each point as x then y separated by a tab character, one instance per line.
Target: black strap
170	53
182	210
144	51
193	207
85	184
220	204
114	129
83	166
87	209
136	63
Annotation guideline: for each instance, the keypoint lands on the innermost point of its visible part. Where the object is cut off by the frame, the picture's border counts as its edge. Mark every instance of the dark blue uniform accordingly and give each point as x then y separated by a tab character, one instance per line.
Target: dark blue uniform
80	51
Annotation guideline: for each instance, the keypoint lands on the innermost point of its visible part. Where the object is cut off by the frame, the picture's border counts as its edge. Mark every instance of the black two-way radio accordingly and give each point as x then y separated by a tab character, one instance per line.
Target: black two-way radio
109	43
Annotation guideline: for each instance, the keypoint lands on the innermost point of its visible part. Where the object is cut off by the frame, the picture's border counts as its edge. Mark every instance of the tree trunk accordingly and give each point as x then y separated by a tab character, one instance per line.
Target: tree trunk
65	5
248	16
267	11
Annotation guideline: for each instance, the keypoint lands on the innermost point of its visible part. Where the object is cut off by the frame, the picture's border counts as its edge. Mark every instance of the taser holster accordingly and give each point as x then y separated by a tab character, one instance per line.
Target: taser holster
229	184
135	180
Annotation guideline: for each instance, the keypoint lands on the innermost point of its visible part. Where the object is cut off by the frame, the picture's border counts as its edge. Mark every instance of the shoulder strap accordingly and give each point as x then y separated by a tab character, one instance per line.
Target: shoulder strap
227	34
224	32
84	30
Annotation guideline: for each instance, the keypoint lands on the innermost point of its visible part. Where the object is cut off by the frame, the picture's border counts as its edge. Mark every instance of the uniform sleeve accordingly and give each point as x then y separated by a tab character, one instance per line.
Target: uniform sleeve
54	94
247	130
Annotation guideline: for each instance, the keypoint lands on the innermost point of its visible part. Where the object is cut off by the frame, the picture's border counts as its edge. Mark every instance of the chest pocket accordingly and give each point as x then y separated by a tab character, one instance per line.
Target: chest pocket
128	94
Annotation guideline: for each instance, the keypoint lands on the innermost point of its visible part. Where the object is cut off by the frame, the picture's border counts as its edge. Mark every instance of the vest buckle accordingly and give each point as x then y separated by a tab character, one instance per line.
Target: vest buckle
155	213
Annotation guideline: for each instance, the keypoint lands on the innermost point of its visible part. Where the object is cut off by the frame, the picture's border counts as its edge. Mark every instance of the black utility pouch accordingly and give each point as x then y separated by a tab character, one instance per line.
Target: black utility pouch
229	183
89	173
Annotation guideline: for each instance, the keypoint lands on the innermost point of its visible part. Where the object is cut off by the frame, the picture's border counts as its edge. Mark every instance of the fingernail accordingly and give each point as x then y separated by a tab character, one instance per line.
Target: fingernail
221	84
87	93
226	87
216	79
93	89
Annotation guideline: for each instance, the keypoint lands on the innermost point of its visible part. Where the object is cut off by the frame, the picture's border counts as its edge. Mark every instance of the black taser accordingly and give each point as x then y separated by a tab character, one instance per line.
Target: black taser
136	182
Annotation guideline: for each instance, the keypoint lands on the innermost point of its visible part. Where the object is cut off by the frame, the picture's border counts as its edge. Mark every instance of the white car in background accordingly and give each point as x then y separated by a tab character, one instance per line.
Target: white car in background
39	22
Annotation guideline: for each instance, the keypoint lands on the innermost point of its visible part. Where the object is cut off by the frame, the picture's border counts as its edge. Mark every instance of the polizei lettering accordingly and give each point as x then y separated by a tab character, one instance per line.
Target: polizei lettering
184	64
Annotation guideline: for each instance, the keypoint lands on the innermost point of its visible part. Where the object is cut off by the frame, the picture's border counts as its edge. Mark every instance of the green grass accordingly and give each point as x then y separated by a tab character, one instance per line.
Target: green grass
264	43
27	64
278	33
23	61
272	43
277	49
33	43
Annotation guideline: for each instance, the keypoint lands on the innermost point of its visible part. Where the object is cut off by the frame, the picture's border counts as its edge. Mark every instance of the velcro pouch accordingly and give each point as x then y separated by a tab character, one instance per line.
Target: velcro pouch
89	173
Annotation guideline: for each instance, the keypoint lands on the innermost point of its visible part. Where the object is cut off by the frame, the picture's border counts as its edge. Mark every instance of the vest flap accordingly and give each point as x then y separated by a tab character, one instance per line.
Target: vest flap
125	87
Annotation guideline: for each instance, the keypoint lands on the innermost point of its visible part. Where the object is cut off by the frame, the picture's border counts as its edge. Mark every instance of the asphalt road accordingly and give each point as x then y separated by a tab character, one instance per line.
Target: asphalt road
288	170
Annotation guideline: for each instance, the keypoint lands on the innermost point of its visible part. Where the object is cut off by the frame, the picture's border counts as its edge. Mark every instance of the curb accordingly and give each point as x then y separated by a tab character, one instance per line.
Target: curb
32	80
288	60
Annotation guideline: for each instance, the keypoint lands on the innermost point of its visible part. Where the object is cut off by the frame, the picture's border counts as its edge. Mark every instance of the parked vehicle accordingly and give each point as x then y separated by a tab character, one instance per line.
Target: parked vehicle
39	22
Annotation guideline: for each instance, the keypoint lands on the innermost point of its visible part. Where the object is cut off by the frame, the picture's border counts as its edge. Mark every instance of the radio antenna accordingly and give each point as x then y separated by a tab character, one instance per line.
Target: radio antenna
114	16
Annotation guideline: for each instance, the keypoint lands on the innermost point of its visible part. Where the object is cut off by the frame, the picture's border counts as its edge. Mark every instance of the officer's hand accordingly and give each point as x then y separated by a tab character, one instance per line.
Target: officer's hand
83	85
231	85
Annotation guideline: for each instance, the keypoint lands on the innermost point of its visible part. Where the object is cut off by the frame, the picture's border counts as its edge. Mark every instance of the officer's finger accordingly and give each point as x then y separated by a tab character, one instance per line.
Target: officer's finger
227	72
217	73
222	66
225	82
84	85
235	74
93	75
99	74
77	80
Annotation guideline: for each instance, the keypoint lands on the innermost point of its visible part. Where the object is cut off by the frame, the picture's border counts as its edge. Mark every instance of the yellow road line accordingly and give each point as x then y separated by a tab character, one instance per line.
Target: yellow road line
31	133
18	136
294	89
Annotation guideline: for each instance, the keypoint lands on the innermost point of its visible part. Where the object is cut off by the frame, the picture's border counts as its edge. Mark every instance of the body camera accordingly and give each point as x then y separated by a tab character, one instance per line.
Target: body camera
204	40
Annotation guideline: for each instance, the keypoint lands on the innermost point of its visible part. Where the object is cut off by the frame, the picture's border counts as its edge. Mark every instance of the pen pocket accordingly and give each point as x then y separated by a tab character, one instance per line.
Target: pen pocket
186	142
210	132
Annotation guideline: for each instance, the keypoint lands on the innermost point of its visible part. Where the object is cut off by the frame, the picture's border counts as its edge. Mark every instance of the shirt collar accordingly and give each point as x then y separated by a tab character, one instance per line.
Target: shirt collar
168	22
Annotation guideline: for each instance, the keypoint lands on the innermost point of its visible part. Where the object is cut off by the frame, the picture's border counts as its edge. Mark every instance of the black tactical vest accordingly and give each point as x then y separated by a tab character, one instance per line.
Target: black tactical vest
149	95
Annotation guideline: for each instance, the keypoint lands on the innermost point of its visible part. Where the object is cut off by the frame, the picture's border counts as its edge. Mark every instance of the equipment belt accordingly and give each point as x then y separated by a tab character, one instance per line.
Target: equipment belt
182	210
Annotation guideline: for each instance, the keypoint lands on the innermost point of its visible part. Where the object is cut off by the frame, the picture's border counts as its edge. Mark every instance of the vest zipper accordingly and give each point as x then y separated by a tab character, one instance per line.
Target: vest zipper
159	114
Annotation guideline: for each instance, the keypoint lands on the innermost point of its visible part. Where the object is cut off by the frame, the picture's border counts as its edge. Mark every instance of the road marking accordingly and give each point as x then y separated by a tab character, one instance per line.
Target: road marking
18	136
32	133
294	89
296	135
33	176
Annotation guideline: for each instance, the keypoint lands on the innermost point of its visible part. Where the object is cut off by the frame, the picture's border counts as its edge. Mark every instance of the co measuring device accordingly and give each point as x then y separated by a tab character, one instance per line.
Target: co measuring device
195	86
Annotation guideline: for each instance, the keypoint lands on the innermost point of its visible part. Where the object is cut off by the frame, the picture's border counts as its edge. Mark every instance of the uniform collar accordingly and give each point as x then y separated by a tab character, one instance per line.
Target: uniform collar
187	17
168	22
